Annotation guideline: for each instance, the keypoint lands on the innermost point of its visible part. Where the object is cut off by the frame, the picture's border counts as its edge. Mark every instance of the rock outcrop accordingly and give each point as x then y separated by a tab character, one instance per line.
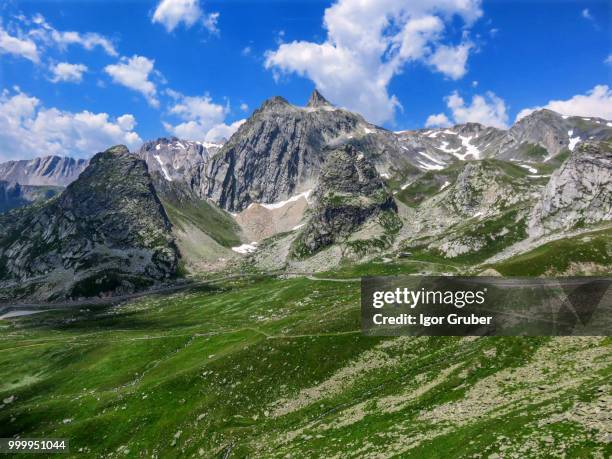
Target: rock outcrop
578	193
279	151
349	194
107	233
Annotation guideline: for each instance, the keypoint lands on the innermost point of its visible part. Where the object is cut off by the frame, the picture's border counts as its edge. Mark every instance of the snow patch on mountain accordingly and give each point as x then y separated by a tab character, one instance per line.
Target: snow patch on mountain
163	168
573	141
278	205
245	248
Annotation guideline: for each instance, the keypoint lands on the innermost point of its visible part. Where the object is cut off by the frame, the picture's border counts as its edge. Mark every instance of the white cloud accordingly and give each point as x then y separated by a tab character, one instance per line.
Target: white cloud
487	109
596	102
202	119
608	60
23	47
439	120
244	107
368	42
586	14
134	73
47	34
170	13
246	51
28	129
452	60
64	71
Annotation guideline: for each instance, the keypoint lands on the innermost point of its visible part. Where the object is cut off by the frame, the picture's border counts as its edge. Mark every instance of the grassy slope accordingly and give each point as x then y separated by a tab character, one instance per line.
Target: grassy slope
557	257
270	368
214	222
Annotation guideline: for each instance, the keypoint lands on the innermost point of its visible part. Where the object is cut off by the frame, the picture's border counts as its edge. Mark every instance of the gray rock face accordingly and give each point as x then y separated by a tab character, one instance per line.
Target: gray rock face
552	133
13	195
48	170
483	188
317	100
350	192
107	233
279	151
177	159
578	193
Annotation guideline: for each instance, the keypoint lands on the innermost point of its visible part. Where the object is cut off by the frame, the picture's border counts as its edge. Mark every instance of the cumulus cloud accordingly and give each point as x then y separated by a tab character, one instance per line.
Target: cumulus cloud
202	119
23	47
48	35
369	42
64	71
596	102
487	109
608	60
439	120
27	129
452	60
135	73
170	13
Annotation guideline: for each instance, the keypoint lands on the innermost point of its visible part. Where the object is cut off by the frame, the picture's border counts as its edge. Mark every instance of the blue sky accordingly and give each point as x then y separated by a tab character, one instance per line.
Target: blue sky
76	76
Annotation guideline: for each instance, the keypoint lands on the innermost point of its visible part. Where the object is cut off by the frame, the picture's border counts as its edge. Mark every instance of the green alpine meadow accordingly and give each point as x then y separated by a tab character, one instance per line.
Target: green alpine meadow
334	229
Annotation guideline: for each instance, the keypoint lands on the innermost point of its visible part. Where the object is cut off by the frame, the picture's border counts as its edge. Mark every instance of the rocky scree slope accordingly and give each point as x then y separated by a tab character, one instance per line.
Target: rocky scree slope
107	233
350	193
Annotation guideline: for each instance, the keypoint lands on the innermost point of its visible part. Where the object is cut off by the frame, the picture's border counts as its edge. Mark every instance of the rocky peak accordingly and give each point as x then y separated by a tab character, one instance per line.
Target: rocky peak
317	100
107	233
274	103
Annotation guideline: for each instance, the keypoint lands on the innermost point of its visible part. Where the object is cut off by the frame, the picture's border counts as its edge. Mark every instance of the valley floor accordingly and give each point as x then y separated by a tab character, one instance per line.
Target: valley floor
268	367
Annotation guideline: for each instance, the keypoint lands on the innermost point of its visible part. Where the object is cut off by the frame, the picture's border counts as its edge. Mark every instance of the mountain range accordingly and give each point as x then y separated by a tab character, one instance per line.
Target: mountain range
305	188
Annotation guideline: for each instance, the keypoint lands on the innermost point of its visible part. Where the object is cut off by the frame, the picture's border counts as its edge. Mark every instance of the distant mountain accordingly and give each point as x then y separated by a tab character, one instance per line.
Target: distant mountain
537	137
107	233
302	189
48	170
177	159
14	195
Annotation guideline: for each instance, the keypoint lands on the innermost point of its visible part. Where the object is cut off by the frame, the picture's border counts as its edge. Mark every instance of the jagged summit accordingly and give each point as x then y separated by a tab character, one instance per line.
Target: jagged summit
115	150
274	102
317	100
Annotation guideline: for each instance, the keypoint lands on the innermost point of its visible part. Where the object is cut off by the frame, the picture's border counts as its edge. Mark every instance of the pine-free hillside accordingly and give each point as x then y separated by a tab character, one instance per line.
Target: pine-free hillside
107	233
310	189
